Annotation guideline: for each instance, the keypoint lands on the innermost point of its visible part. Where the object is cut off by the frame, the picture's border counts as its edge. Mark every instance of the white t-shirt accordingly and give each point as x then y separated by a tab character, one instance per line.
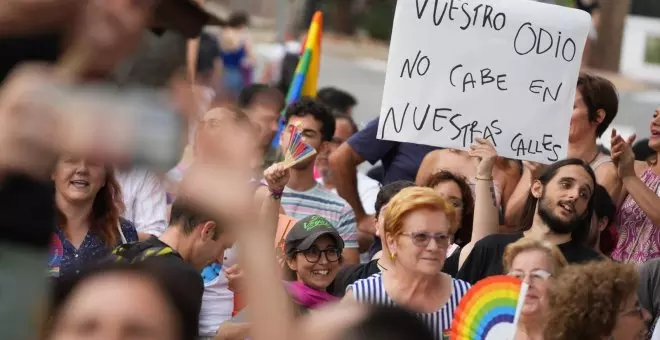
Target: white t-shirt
218	300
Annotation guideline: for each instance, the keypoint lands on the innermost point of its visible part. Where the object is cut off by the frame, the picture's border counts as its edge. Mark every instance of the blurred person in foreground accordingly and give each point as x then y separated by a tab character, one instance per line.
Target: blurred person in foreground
537	263
88	209
303	195
596	301
595	107
417	223
638	217
263	104
117	301
558	209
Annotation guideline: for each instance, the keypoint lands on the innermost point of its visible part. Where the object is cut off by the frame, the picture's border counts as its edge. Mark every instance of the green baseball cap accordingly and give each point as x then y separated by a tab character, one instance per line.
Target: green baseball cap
305	232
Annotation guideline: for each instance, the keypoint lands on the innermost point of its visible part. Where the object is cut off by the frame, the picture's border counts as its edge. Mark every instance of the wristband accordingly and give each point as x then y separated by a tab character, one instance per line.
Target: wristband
276	193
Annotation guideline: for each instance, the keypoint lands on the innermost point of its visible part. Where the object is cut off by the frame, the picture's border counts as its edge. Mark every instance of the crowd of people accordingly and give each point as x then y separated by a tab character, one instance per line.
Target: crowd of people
189	252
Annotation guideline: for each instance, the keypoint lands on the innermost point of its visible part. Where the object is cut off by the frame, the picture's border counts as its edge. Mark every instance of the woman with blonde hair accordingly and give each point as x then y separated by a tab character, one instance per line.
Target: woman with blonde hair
596	301
536	262
417	223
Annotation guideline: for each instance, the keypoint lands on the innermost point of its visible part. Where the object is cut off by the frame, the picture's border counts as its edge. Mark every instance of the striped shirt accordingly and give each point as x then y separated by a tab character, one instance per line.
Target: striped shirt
322	202
372	291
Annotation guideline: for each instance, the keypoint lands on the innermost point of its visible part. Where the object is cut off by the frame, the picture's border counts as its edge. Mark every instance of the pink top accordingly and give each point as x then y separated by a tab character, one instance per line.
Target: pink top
639	238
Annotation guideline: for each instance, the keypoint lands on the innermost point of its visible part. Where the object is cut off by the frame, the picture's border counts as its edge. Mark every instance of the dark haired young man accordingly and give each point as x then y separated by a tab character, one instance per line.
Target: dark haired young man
347	275
596	105
303	195
191	242
558	209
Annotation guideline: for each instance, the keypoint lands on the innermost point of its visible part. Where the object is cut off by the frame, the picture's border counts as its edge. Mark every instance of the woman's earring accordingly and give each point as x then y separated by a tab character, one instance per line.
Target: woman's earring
393	256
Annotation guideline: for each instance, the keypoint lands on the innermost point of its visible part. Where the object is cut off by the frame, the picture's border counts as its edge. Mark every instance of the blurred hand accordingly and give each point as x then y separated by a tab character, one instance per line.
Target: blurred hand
104	33
224	192
28	133
276	176
622	154
485	153
19	17
235	277
534	168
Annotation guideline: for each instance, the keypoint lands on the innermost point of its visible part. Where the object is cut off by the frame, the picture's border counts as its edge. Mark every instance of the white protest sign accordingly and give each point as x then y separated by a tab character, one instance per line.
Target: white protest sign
504	70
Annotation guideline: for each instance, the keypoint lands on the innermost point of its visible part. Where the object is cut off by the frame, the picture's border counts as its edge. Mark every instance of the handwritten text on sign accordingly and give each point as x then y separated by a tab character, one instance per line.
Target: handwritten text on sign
504	70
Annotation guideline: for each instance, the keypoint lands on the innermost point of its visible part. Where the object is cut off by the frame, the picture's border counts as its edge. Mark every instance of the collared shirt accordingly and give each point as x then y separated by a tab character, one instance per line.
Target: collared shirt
65	259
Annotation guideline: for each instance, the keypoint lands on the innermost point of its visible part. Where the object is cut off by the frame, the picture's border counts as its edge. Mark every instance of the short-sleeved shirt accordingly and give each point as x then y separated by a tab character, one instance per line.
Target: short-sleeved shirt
322	202
400	160
65	259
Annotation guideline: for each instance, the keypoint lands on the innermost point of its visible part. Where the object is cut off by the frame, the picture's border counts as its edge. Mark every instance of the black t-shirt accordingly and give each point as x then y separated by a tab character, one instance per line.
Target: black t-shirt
451	263
182	280
347	275
486	256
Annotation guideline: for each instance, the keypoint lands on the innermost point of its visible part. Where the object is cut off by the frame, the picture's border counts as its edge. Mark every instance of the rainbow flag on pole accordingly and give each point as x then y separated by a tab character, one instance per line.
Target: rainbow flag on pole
306	76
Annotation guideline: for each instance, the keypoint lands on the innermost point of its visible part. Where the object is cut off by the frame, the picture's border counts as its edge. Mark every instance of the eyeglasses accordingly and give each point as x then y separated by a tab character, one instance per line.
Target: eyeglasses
422	239
538	275
313	254
638	310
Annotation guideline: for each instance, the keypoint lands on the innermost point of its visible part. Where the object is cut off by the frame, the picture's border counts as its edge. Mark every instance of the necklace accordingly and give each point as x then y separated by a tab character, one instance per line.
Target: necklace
595	157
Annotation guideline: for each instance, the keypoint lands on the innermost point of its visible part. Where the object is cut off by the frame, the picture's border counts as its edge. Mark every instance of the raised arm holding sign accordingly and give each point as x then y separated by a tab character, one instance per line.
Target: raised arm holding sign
503	70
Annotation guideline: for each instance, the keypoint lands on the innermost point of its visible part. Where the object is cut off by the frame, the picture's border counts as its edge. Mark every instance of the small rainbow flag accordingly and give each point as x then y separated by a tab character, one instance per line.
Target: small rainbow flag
490	310
305	78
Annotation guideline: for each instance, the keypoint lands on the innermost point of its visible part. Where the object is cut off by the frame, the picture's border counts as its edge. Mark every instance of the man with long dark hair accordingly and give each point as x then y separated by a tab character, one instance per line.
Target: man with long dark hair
558	209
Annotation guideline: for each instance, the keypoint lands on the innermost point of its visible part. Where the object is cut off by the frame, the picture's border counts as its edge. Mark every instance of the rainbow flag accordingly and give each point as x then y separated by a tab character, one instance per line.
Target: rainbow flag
305	78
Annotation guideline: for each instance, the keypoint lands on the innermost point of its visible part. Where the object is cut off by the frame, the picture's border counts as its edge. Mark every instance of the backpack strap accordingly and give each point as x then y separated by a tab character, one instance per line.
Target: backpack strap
120	253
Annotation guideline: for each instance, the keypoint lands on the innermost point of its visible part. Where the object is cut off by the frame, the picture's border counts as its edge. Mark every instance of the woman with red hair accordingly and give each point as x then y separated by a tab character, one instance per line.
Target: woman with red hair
88	206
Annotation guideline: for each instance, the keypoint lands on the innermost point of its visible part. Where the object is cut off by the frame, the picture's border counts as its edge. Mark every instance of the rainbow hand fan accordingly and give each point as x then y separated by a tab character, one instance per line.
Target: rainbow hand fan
297	150
490	310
